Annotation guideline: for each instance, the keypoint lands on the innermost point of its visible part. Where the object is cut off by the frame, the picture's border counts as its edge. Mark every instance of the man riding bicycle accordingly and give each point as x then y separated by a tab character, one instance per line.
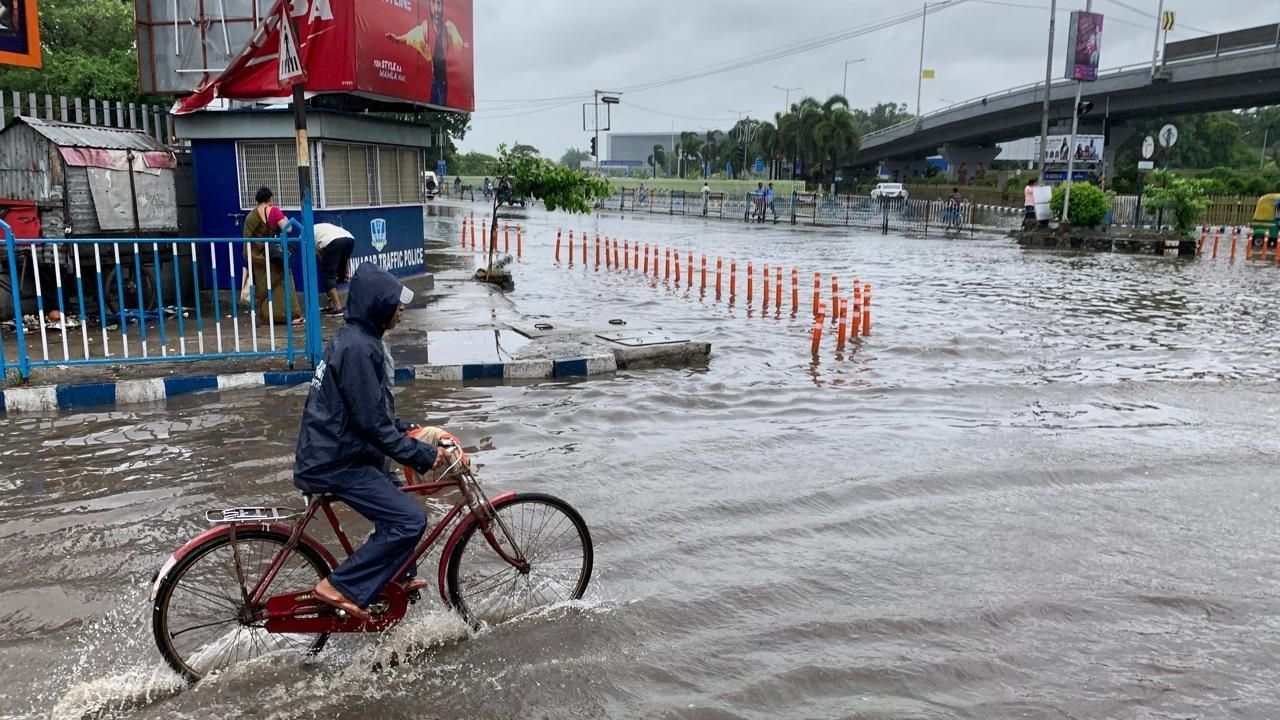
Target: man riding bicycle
348	431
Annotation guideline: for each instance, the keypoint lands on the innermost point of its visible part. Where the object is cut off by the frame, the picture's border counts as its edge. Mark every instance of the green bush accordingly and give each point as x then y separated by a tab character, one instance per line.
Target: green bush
1089	203
1186	198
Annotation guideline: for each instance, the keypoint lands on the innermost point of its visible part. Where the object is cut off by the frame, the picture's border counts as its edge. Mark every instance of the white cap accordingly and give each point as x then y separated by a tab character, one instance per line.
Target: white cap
406	295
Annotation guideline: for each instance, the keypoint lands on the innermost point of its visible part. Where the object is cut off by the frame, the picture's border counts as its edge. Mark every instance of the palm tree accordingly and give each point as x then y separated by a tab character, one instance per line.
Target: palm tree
688	148
710	150
658	158
836	135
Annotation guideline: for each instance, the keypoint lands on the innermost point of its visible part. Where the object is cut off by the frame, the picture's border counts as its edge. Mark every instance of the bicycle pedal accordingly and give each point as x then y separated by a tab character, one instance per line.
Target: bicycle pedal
413	596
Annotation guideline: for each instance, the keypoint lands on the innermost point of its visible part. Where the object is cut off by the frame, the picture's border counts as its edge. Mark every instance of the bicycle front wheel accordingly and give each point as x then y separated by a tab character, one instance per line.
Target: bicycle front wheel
200	620
554	541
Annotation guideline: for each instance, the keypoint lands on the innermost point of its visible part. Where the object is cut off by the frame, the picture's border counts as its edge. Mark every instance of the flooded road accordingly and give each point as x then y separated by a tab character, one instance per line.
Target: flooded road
1042	488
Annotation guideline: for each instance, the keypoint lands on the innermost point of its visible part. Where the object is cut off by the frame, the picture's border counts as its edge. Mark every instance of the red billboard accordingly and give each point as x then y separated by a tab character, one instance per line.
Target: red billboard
417	51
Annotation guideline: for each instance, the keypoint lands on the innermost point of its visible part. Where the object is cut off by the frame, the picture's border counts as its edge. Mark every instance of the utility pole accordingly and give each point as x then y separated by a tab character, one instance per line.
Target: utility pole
1048	82
924	16
595	109
1155	45
1075	126
742	135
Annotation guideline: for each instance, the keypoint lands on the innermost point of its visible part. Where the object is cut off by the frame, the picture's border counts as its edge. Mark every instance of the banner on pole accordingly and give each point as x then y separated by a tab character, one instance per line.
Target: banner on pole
1084	46
415	51
19	33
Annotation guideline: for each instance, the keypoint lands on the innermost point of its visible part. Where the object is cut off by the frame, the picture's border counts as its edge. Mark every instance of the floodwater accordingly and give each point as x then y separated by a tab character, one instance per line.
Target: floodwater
1044	487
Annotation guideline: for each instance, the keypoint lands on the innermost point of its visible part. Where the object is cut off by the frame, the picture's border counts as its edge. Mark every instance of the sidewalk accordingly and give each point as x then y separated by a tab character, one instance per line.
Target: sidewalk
451	333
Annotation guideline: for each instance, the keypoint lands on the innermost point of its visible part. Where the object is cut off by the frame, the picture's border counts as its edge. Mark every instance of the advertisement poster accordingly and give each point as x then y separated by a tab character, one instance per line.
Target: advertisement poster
1087	149
418	51
19	33
1084	46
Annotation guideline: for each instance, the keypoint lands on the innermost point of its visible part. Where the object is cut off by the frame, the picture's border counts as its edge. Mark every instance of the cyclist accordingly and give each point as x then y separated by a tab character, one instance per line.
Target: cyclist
349	429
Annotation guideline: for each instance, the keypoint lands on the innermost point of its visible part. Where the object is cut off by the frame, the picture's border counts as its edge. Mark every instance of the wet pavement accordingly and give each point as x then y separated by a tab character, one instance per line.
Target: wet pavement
1042	488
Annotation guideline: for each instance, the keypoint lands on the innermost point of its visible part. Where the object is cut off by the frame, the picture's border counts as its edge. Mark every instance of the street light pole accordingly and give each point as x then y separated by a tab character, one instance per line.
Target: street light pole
844	86
1155	45
743	136
1048	80
920	72
787	90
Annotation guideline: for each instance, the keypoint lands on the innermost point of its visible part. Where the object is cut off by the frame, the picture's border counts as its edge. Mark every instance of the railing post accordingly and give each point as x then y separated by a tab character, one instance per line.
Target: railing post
24	363
286	282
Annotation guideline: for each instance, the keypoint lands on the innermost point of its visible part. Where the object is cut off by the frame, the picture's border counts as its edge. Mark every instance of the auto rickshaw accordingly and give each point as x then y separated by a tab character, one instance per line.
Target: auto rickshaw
1266	219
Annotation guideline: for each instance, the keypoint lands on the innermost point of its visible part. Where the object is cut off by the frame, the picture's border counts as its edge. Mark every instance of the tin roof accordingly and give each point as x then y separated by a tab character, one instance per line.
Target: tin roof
90	136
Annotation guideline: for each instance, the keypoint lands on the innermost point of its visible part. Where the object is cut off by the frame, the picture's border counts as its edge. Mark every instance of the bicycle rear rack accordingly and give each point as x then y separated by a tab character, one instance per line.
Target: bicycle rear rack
250	515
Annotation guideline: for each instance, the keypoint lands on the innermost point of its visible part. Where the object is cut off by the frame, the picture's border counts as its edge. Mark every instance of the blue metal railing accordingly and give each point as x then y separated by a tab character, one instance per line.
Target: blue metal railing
135	317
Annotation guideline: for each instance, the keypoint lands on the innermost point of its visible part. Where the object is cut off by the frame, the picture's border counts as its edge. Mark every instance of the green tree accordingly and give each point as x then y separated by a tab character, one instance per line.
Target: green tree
1089	203
476	163
557	186
573	157
1185	198
657	159
88	51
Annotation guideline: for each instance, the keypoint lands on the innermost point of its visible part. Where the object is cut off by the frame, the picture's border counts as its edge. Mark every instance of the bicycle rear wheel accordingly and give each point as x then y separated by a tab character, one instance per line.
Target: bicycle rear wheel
552	536
199	618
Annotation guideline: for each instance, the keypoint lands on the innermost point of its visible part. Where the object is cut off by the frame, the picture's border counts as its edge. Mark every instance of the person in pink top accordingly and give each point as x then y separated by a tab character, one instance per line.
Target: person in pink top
1029	203
267	221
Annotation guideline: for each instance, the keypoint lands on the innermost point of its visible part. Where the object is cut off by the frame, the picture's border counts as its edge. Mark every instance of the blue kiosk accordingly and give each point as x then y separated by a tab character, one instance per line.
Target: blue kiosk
367	175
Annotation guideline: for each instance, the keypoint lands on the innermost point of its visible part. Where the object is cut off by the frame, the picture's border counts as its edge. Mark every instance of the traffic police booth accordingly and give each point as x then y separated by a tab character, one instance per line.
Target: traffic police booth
366	173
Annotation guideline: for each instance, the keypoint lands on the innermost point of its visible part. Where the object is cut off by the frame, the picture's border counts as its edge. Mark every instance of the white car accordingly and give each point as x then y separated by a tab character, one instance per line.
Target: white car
889	190
430	184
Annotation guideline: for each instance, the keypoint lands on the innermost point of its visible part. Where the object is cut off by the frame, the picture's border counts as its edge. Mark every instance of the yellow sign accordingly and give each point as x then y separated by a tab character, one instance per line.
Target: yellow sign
1166	20
926	74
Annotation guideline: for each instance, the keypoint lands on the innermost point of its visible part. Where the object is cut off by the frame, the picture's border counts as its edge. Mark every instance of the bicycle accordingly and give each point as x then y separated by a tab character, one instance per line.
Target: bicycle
244	588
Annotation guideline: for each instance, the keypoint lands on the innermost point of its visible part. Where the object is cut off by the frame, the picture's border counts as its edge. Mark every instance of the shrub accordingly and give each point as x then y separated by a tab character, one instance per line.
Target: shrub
1089	203
1187	199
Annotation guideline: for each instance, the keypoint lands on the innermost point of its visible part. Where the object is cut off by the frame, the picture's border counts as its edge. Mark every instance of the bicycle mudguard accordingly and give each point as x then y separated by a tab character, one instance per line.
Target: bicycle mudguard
466	522
220	530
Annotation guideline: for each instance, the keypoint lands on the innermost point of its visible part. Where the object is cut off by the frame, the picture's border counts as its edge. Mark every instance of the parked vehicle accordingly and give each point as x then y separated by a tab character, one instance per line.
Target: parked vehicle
1266	218
430	184
894	191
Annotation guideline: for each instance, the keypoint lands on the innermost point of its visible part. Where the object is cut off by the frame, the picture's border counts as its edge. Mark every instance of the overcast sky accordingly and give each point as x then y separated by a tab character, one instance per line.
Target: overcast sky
532	58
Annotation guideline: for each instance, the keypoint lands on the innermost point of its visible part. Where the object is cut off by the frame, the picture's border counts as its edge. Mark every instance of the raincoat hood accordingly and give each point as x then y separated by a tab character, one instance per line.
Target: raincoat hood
373	298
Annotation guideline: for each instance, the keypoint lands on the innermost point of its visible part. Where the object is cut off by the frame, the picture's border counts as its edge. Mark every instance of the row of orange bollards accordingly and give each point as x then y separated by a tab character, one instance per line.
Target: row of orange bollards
850	317
1247	235
469	223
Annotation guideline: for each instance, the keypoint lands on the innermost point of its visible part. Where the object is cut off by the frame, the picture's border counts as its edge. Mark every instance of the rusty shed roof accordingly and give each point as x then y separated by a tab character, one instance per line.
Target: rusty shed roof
90	136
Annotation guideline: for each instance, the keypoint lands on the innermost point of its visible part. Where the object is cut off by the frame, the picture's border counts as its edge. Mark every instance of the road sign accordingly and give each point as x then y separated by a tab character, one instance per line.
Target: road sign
759	164
440	169
1166	20
1146	165
1148	147
1168	136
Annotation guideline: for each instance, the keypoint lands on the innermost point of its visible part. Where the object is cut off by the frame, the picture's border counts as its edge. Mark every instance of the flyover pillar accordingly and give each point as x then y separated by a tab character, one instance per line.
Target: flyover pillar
966	162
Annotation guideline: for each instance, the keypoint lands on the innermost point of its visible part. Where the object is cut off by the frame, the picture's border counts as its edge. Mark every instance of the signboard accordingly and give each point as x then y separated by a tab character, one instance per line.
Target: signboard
1148	147
1084	46
759	164
19	33
1146	165
417	51
440	169
1168	136
1057	176
1167	20
1088	149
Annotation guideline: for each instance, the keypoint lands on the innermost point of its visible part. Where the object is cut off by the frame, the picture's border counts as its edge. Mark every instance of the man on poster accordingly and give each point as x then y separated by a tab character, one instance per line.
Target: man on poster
435	39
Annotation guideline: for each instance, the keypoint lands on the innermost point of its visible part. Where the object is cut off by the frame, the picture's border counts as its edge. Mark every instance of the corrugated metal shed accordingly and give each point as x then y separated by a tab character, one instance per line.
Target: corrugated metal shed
90	136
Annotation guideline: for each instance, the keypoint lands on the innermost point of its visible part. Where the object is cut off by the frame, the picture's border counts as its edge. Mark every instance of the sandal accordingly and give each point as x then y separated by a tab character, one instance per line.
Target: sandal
337	599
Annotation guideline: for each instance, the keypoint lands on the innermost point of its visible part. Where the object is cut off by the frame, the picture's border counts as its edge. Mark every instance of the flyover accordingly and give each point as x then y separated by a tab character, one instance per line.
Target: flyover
1217	72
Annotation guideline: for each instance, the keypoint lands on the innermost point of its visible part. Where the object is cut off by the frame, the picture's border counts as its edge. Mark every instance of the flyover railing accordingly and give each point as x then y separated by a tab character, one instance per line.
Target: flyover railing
113	301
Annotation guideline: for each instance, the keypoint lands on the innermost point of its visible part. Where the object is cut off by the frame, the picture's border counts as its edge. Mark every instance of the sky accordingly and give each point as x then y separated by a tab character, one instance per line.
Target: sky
537	62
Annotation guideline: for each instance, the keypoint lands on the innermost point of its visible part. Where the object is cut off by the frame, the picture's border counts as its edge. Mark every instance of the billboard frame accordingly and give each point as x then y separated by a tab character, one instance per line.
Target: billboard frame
22	47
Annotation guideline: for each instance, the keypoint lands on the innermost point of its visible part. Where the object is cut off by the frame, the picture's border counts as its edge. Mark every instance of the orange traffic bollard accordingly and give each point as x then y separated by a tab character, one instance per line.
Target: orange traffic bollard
719	268
1204	235
819	319
615	254
584	242
733	279
506	238
841	316
750	280
777	289
795	291
689	278
464	233
584	248
666	271
835	292
635	256
1248	244
817	292
1217	235
646	258
866	310
675	255
626	255
558	247
764	288
519	241
1235	237
702	280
